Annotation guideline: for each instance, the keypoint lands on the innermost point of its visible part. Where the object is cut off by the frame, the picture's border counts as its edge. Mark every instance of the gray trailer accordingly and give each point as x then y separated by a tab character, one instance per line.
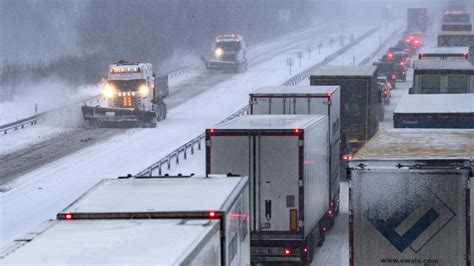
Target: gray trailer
361	101
435	111
109	212
442	77
410	198
457	39
307	100
287	160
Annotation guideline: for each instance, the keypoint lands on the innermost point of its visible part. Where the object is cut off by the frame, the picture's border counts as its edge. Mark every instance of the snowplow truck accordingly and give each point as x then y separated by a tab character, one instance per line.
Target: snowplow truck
227	52
134	98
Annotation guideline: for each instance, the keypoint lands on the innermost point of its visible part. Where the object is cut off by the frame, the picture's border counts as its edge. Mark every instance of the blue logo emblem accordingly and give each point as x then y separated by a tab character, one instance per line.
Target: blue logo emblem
414	225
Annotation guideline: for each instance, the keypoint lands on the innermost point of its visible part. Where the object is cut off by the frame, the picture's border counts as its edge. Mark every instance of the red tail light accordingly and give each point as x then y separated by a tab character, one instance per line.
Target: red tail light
212	214
347	157
297	131
287	252
466	55
305	250
394	77
68	216
390	55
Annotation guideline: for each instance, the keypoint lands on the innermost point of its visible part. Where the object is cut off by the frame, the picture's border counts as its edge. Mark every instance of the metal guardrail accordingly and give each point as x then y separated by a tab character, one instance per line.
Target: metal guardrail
190	145
33	120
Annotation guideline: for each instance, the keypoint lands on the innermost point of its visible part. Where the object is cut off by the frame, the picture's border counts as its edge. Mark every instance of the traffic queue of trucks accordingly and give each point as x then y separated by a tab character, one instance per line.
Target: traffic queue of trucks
271	189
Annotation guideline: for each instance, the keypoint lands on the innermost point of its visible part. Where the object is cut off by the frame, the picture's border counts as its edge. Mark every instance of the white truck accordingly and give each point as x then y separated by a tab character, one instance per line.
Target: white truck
134	98
308	100
409	199
457	39
287	160
149	220
444	53
442	77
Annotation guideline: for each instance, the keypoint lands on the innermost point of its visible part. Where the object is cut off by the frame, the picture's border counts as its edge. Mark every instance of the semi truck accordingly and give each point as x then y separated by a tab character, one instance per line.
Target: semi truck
417	20
308	100
147	220
456	19
287	160
361	101
457	39
435	111
133	98
409	198
227	52
442	77
444	53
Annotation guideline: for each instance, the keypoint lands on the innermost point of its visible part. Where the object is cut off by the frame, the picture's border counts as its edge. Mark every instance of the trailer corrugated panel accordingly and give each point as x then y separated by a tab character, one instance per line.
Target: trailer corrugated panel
410	198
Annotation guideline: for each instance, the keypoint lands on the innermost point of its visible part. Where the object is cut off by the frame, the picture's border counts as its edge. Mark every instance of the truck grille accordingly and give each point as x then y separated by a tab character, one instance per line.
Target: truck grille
126	102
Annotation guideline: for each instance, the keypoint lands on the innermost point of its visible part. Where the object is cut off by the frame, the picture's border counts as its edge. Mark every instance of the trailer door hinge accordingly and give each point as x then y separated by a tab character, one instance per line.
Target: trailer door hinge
300	143
327	103
300	183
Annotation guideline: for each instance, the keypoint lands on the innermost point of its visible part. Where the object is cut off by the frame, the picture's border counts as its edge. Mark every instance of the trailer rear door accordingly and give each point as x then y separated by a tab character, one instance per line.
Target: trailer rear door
277	183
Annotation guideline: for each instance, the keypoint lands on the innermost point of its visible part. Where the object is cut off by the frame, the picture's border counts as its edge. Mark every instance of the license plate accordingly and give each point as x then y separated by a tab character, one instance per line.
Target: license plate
265	251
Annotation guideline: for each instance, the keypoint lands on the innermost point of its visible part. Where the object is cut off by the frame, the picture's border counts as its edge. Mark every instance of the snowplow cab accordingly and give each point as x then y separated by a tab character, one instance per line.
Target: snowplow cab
227	52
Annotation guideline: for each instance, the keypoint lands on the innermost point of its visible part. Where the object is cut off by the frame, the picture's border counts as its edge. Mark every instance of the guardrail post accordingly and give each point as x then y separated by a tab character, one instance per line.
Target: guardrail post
192	148
199	144
177	157
168	161
159	170
185	152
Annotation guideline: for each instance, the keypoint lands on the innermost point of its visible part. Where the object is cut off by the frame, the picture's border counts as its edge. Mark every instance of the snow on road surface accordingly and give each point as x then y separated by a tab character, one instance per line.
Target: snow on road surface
40	194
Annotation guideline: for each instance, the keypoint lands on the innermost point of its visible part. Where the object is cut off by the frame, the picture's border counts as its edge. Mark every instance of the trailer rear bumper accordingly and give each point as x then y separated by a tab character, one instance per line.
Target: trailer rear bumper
279	250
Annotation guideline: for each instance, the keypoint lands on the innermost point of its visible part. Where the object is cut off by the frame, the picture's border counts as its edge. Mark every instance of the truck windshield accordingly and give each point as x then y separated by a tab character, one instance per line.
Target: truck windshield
228	46
127	85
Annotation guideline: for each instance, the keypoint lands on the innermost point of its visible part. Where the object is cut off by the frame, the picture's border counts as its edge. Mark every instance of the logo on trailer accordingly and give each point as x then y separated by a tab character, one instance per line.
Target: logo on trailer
413	225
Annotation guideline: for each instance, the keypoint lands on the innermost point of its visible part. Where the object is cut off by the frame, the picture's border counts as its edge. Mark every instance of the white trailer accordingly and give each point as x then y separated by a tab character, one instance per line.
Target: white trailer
456	39
287	160
221	202
409	198
307	100
119	242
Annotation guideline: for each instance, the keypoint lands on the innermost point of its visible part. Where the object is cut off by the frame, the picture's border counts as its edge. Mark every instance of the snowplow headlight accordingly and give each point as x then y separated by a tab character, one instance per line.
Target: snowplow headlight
144	91
219	51
109	91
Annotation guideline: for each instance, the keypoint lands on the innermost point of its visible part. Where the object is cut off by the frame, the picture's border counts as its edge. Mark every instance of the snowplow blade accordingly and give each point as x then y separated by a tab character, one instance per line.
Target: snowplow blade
96	116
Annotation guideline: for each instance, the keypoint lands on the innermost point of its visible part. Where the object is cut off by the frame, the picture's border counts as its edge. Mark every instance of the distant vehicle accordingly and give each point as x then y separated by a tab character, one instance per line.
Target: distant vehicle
398	57
387	69
417	19
400	72
361	105
456	19
444	53
158	221
385	87
410	198
227	52
414	39
308	100
287	160
435	111
458	39
133	98
442	77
